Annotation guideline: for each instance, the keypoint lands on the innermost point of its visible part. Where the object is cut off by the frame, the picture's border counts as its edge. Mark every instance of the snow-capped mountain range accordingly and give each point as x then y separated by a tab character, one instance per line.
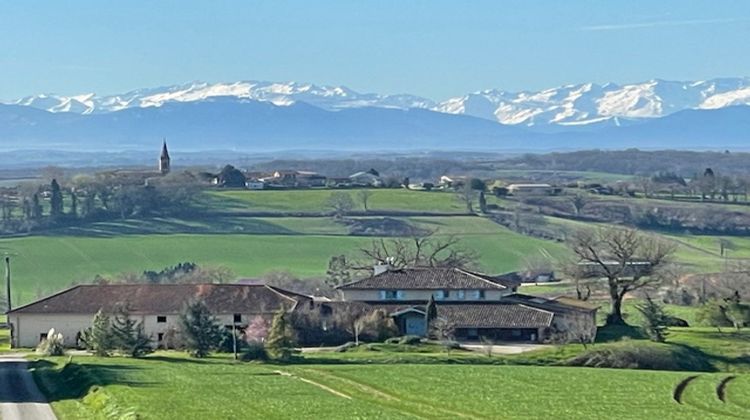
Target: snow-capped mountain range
569	105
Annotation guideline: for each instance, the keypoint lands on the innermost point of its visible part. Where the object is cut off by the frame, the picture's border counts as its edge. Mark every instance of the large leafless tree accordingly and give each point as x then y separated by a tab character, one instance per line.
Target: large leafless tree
427	250
627	259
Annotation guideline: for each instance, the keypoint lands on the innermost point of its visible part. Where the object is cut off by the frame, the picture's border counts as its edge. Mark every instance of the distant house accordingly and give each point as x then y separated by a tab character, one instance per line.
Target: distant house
531	189
452	181
477	305
296	179
255	184
530	276
369	178
156	305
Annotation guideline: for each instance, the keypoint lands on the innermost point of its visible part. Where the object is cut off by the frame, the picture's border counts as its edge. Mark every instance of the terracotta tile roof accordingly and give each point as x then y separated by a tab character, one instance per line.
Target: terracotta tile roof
467	315
560	304
495	315
429	278
165	298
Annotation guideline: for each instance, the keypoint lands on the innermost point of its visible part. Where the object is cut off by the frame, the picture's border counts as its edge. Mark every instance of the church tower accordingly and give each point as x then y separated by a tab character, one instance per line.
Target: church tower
164	160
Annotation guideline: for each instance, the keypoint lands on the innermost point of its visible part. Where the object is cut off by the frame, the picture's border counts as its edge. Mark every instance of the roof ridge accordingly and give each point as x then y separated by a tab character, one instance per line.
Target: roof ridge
44	299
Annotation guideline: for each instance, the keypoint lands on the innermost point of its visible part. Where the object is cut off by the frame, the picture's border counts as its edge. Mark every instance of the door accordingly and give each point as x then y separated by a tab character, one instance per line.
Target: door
415	326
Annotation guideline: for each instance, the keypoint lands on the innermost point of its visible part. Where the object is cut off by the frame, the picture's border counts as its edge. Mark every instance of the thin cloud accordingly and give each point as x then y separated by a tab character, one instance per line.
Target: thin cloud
661	23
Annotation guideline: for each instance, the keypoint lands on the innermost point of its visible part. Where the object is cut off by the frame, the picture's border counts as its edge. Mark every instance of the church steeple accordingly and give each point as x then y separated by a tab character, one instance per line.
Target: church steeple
164	160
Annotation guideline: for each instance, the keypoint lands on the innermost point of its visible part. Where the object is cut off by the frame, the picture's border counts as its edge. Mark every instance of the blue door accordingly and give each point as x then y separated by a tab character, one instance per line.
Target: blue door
415	325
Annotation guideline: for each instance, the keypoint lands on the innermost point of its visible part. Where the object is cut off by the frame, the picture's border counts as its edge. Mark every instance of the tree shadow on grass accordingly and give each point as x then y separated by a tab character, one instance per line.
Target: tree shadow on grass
213	224
75	380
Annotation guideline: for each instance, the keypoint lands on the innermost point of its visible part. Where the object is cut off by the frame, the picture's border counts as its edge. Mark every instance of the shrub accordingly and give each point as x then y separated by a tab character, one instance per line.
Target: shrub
281	338
254	351
53	345
643	355
376	326
412	340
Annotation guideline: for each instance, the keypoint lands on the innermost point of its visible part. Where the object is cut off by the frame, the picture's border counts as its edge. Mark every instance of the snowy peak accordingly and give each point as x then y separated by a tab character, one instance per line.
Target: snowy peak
569	105
281	94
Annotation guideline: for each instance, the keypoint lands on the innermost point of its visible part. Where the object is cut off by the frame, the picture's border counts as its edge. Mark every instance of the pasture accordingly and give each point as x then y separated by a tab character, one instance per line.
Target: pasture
249	247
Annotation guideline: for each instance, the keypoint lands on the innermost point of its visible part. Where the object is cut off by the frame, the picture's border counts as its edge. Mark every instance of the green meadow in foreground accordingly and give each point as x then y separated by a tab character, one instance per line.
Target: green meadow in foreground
166	386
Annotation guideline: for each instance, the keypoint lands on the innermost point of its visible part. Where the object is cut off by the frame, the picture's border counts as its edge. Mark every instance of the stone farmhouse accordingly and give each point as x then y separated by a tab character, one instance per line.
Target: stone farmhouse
477	305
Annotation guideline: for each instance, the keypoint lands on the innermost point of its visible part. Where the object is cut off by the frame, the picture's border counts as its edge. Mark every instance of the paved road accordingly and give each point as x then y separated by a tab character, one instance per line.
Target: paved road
19	396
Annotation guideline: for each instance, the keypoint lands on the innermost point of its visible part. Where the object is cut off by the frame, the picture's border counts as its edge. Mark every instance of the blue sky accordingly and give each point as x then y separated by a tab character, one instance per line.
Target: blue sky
432	48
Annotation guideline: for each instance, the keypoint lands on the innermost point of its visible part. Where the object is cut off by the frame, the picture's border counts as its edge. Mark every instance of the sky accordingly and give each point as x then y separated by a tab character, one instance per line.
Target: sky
433	48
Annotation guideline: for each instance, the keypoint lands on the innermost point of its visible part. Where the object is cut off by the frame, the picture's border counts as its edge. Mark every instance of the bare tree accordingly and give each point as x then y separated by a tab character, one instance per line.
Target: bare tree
627	259
465	194
419	251
364	196
579	201
341	203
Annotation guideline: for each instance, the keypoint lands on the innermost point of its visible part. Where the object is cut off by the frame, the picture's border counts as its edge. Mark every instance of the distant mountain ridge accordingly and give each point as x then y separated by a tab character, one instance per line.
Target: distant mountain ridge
564	106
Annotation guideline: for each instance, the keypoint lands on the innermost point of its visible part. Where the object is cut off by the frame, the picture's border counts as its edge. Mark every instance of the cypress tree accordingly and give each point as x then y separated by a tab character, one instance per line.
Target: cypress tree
430	314
482	202
36	207
56	200
73	204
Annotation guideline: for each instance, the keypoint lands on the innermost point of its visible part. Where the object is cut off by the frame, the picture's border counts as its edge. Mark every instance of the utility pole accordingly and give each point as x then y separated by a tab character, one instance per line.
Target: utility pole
7	281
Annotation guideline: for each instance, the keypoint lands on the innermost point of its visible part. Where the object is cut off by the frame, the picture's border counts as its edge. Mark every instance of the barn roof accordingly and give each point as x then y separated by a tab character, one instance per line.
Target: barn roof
164	298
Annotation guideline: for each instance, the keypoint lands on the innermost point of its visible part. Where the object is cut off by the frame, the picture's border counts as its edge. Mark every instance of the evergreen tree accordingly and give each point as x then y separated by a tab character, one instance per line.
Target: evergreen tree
56	200
281	341
98	337
36	207
482	202
129	336
73	204
430	313
199	329
655	319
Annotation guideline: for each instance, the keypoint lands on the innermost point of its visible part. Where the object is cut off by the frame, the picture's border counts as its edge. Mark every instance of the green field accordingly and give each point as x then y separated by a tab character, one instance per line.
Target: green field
170	386
315	200
301	246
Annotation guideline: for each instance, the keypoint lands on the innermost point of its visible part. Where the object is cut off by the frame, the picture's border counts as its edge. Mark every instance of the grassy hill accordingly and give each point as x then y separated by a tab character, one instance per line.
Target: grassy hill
248	246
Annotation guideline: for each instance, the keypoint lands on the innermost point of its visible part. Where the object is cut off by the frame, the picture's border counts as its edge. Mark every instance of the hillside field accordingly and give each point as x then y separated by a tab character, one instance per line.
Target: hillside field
224	232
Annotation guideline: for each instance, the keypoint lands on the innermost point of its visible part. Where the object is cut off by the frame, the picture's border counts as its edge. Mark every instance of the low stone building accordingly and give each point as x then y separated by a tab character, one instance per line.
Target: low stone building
157	306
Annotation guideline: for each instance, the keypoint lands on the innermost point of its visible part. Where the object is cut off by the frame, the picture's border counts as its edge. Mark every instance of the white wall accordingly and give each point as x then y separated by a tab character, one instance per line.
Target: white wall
374	295
28	327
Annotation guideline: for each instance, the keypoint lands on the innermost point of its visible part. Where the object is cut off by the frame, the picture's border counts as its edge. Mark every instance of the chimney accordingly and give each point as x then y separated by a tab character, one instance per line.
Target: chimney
382	267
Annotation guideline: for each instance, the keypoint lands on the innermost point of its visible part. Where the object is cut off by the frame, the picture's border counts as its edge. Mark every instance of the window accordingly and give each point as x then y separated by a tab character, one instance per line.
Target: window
237	318
475	294
391	294
161	319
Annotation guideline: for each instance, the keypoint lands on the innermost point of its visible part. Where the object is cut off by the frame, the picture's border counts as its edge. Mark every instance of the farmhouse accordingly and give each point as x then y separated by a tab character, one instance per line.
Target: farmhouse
531	189
156	305
476	305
